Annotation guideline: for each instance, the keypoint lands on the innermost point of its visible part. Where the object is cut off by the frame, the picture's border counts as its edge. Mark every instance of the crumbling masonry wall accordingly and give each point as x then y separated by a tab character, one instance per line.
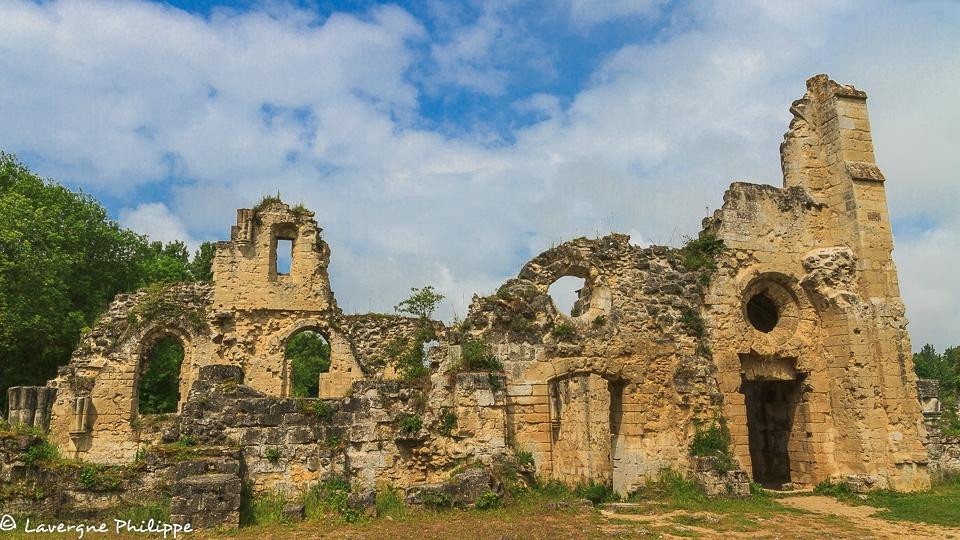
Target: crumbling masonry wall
794	334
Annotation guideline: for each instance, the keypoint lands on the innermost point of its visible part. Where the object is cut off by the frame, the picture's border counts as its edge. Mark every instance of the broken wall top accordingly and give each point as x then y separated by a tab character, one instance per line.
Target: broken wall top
245	269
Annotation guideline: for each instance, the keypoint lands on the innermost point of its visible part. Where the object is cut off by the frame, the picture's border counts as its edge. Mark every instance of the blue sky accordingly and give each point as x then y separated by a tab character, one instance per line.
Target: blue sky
448	142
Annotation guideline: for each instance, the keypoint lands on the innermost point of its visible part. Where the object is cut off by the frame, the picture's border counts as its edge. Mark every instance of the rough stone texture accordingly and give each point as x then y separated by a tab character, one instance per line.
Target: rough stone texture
30	405
730	483
795	334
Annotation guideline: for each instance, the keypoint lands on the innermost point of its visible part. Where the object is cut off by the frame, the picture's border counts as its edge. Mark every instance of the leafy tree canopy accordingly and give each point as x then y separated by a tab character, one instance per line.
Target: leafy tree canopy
62	259
929	364
421	303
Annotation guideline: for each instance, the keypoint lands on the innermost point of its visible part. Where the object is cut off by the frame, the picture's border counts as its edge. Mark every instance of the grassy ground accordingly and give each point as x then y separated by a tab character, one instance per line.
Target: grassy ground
670	508
940	505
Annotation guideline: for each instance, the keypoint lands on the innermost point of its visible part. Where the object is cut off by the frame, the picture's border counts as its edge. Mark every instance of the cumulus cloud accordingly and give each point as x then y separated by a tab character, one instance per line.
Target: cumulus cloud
156	221
130	97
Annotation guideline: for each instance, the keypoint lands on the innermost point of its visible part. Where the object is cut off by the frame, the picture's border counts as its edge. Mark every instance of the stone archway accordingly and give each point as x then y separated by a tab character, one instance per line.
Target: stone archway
344	368
145	368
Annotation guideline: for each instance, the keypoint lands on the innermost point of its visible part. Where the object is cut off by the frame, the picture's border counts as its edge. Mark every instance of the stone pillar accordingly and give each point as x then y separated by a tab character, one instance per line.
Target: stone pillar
30	405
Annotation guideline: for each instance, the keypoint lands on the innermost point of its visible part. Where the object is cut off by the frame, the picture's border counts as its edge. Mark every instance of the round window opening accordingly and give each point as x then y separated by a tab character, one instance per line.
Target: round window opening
763	313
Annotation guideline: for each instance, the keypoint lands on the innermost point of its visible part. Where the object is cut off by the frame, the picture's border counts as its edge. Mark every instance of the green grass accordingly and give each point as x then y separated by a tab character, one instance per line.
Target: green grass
676	492
940	505
262	509
390	504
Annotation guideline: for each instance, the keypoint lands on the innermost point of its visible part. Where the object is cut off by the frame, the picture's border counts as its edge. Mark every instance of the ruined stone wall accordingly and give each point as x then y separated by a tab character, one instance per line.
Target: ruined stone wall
820	251
794	334
608	393
95	415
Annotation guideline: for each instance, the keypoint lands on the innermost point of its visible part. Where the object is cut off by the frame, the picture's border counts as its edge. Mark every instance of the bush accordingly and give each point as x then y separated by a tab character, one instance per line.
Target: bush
596	492
475	355
41	454
263	509
524	458
713	441
447	422
330	497
100	477
692	321
408	356
186	441
390	503
600	321
158	511
436	500
841	490
701	253
410	424
323	411
673	486
422	303
273	455
563	331
488	500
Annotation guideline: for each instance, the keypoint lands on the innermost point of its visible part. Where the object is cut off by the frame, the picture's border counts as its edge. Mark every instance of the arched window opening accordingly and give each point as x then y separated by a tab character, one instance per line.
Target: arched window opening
762	312
159	388
565	292
308	355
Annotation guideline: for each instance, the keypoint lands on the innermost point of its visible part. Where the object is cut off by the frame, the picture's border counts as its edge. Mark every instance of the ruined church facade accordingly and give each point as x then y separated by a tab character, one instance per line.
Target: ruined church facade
792	334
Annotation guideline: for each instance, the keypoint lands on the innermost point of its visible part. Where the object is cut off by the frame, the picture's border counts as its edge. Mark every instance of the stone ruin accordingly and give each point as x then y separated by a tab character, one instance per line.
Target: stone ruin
793	335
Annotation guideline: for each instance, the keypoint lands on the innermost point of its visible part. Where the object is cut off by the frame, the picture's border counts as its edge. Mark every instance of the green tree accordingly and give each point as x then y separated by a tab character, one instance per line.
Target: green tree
929	364
309	356
201	267
422	303
160	383
62	260
168	263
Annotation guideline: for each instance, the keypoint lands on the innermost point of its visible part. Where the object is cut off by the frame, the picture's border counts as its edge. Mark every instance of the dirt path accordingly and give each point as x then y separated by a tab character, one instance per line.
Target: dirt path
863	517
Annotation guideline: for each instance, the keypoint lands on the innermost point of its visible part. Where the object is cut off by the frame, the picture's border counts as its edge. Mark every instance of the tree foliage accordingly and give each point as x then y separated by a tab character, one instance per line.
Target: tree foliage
309	356
929	364
160	383
422	303
62	260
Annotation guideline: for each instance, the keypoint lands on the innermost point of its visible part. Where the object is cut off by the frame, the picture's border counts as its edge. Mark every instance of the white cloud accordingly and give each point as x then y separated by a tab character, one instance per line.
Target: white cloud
117	94
156	221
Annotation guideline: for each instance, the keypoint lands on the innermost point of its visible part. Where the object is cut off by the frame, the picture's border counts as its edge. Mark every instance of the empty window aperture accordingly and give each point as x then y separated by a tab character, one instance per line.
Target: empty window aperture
159	390
564	293
762	312
284	255
309	355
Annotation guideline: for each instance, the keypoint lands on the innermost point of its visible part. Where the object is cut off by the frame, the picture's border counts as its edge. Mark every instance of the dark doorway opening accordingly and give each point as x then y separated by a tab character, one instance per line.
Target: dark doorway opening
771	408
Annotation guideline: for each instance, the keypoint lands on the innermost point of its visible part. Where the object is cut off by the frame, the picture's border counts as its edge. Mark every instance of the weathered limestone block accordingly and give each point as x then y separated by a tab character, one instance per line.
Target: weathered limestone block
207	501
733	483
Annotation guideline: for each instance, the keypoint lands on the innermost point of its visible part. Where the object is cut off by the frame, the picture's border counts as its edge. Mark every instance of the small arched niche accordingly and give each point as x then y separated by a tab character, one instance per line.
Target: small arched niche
307	355
158	380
